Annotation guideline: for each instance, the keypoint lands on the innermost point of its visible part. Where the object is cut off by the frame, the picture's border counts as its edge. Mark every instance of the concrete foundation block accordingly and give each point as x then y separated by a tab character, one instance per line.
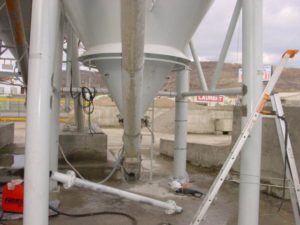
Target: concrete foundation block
6	134
84	147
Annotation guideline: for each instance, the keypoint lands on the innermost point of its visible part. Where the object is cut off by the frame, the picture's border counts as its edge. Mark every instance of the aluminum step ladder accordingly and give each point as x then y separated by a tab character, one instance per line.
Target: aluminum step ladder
219	180
288	157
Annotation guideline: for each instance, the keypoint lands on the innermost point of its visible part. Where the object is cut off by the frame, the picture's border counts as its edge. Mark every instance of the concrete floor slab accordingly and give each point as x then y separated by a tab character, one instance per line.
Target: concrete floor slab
224	211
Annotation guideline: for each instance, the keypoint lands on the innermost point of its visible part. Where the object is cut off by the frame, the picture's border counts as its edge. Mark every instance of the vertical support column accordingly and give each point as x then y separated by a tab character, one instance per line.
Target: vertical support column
181	113
76	81
252	77
55	111
44	25
68	30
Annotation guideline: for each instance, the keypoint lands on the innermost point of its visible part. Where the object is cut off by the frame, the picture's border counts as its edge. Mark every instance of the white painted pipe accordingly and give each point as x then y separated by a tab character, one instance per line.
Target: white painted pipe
181	112
227	91
44	27
167	93
77	90
70	179
55	110
226	44
199	69
68	69
133	32
252	77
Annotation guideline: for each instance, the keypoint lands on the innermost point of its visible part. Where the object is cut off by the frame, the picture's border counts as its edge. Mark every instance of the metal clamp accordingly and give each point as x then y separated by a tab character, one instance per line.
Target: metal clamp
71	179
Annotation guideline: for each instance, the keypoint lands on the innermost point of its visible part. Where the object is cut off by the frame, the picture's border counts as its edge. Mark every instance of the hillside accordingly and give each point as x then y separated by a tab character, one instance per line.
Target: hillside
289	81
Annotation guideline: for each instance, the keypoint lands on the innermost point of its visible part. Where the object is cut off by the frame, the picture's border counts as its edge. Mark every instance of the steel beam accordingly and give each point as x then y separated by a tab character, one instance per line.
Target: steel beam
200	73
226	44
18	33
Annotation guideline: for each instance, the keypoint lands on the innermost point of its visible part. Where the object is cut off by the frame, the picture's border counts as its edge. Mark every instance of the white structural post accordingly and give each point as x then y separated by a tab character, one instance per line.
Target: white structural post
133	32
55	110
76	81
44	26
180	151
68	31
199	69
252	77
226	44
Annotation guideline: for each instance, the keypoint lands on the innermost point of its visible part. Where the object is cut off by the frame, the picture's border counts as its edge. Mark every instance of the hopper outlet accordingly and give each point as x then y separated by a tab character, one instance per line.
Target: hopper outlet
155	74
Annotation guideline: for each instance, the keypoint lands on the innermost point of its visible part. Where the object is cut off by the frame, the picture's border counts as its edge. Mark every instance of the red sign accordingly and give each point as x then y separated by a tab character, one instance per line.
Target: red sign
210	98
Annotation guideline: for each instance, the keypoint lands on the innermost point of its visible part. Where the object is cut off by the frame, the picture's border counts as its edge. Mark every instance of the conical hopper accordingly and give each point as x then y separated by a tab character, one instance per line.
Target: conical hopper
169	27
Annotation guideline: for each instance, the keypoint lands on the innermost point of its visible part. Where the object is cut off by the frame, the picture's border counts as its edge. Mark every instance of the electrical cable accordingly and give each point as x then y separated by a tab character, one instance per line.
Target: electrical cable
131	218
68	162
89	108
151	151
87	103
118	164
285	159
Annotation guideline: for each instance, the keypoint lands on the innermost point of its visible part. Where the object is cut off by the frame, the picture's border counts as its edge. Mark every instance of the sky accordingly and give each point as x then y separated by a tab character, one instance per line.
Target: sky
281	31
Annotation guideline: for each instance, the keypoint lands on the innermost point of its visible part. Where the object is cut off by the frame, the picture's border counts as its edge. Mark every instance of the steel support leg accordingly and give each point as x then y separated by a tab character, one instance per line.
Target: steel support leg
180	151
226	44
44	27
75	79
252	77
56	85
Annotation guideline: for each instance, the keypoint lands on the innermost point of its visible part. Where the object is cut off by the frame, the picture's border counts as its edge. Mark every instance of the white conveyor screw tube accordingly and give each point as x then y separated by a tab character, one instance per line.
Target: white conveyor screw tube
69	180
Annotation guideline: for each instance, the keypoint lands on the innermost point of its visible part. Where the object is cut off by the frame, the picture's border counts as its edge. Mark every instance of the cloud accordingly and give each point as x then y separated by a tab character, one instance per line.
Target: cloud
281	31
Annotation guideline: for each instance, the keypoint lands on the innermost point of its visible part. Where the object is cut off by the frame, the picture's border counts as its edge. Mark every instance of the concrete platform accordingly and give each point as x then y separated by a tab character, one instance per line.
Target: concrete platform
224	211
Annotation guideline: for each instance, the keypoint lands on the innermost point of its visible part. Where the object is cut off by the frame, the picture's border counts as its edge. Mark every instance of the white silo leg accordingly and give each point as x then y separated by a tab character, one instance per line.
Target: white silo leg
180	151
252	77
76	80
44	26
56	85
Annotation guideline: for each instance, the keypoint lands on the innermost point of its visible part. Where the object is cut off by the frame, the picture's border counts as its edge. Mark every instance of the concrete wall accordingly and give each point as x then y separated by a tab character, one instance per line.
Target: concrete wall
106	116
212	156
84	147
6	134
206	120
201	119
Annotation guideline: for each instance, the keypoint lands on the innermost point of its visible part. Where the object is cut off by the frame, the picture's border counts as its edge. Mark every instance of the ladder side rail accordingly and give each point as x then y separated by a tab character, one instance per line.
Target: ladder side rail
288	172
290	154
219	180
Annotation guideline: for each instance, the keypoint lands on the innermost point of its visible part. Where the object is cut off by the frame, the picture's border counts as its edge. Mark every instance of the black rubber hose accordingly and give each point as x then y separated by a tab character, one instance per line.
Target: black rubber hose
131	218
